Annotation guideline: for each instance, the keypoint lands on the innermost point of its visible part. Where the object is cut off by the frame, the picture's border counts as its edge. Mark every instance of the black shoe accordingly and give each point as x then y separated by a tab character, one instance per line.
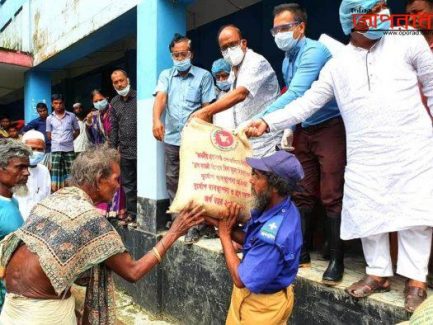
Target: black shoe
192	236
334	273
305	259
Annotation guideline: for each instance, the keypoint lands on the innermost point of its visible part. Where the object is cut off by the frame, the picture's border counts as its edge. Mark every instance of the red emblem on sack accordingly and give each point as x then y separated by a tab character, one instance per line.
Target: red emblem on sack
223	139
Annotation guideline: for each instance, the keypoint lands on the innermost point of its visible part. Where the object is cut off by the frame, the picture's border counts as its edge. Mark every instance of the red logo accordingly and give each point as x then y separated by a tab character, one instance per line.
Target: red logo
223	139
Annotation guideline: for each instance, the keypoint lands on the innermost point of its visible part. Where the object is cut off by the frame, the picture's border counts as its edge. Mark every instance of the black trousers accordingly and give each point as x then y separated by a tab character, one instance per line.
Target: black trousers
128	168
171	157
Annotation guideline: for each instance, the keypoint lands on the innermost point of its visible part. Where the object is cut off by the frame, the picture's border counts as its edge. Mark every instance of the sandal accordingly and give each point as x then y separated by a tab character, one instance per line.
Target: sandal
367	286
413	297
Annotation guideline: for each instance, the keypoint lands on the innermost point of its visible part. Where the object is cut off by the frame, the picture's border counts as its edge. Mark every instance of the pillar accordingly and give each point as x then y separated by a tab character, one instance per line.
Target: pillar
37	88
157	21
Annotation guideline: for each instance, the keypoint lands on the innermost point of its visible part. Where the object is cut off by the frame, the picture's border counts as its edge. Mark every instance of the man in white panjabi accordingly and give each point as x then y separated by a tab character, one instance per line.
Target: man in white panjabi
254	86
39	181
389	172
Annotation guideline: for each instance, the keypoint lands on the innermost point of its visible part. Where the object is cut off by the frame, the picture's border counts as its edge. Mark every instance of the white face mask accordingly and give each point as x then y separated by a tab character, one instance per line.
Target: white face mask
125	91
234	55
285	41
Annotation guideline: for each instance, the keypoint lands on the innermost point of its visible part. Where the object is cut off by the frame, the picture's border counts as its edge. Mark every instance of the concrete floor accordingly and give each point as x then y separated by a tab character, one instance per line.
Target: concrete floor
127	312
354	271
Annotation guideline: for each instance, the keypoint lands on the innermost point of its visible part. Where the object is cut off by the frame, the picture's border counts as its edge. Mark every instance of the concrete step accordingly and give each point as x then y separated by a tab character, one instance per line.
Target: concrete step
192	286
127	312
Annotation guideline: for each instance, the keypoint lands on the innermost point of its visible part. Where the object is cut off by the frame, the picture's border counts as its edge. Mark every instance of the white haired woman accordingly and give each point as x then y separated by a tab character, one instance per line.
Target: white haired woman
65	238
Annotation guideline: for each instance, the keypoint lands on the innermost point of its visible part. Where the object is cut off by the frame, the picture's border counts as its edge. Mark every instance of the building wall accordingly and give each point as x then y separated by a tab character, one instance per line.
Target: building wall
46	27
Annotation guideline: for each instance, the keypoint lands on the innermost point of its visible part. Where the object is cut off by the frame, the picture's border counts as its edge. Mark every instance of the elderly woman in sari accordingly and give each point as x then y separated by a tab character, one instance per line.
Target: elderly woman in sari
65	239
98	126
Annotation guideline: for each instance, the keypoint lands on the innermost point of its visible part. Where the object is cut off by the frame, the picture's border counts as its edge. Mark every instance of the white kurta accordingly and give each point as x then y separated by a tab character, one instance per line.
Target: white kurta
39	186
256	74
224	119
389	173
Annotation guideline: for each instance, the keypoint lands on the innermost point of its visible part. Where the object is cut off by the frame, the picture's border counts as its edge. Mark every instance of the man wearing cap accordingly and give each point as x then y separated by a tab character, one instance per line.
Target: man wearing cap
221	72
389	145
38	184
272	240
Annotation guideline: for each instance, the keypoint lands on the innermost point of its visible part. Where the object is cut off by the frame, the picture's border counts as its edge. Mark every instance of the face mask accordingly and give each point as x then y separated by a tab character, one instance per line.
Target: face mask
223	85
234	56
125	91
183	65
375	33
36	158
101	104
285	41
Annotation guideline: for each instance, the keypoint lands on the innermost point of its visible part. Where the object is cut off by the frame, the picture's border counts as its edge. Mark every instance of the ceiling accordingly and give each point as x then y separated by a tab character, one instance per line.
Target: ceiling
11	82
204	11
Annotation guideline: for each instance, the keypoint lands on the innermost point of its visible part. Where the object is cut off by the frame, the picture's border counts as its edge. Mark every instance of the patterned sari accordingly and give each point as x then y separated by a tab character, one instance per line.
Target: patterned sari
70	237
98	133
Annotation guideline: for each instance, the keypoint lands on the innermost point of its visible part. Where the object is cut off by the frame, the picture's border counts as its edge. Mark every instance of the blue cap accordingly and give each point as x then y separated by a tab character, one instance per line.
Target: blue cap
281	163
219	66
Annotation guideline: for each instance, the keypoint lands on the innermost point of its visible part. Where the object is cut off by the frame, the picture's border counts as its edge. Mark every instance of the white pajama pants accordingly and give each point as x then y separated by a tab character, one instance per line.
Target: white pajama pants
414	246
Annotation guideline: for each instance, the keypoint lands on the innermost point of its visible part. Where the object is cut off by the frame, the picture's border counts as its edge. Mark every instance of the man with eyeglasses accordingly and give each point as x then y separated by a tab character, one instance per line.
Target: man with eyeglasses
388	175
181	90
320	141
254	87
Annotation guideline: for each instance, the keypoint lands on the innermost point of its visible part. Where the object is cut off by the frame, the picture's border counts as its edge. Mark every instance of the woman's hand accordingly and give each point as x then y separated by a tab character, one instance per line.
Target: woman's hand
230	219
192	215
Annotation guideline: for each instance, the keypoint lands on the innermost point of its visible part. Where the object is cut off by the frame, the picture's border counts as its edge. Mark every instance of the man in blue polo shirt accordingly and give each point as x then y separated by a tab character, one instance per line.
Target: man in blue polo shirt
272	240
320	141
181	90
40	124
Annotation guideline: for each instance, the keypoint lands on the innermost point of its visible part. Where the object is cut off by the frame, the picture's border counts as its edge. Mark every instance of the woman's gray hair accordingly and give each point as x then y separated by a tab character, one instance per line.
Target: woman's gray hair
12	149
93	164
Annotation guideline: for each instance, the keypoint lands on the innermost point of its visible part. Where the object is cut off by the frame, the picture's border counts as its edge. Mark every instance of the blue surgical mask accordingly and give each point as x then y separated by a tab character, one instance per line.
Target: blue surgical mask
223	85
36	158
183	65
285	41
375	33
102	104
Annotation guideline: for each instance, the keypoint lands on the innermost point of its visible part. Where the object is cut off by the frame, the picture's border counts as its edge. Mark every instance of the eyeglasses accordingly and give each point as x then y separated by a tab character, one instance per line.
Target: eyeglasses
181	55
231	45
284	28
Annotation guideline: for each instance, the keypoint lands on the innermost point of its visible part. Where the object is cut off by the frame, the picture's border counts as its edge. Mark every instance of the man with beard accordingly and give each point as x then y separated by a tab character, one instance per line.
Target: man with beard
38	184
14	164
272	240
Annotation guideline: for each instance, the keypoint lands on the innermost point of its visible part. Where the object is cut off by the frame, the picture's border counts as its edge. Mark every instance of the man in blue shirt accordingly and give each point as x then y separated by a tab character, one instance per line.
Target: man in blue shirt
14	172
320	142
272	240
181	90
62	130
40	124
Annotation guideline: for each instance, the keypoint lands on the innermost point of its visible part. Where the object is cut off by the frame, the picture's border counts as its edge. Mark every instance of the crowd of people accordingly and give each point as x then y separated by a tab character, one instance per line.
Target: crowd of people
351	130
